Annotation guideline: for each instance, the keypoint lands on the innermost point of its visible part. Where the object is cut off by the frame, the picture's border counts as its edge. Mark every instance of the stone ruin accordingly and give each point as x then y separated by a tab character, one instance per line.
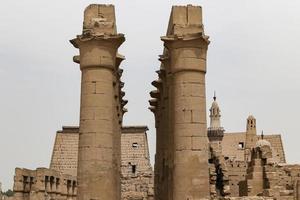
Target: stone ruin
103	160
136	171
59	181
43	183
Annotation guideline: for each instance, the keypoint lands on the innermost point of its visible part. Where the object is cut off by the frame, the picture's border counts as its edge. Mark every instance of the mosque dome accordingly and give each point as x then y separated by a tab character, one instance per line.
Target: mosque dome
262	142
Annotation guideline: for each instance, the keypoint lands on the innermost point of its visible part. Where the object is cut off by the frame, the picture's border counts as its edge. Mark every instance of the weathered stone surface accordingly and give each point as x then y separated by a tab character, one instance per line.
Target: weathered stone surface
98	170
43	183
191	161
136	172
134	154
181	164
65	151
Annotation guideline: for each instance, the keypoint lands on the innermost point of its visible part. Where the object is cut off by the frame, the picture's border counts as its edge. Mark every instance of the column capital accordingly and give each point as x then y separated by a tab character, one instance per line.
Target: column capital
186	52
110	40
186	40
99	50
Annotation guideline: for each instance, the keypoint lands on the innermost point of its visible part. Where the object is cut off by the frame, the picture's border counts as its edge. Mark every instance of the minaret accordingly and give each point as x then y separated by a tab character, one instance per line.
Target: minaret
215	134
251	137
215	131
101	107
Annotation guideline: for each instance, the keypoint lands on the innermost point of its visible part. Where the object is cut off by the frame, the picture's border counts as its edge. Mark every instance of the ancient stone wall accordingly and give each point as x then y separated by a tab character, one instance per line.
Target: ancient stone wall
113	166
42	184
134	157
276	142
237	176
136	172
65	151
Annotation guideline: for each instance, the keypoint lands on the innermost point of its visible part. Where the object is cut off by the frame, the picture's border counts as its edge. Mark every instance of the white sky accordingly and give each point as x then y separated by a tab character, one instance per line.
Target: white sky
253	64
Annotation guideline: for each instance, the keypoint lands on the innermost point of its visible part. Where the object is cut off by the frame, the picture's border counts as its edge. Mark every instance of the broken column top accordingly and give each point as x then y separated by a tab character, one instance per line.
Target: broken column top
185	20
99	19
99	24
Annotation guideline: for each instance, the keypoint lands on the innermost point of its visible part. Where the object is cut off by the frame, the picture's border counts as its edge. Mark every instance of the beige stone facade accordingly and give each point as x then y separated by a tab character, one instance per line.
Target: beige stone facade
247	164
43	184
104	160
137	177
136	171
65	151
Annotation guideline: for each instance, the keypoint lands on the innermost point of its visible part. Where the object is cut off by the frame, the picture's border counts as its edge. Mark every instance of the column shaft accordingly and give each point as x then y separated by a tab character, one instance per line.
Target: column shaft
188	118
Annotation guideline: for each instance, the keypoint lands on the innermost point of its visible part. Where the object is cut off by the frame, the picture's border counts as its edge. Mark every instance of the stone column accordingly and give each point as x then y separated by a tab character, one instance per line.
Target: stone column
155	107
182	142
98	157
188	109
159	102
168	139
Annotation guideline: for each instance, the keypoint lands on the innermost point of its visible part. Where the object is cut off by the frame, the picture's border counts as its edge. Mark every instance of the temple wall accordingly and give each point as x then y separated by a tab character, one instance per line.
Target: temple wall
136	172
65	151
42	184
134	152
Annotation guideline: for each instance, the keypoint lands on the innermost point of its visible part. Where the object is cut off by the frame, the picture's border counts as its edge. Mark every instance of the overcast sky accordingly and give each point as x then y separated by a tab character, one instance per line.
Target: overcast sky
253	64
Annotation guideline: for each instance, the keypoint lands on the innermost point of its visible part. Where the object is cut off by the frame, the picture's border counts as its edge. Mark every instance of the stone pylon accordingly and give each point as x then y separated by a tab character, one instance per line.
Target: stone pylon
180	109
101	108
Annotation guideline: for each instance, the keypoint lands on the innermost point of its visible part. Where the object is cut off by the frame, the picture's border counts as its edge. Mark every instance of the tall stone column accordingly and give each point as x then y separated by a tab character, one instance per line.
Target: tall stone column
99	131
159	103
187	47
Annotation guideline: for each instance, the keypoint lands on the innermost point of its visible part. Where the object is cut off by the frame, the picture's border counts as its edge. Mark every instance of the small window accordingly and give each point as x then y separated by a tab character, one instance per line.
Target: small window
133	169
135	145
241	145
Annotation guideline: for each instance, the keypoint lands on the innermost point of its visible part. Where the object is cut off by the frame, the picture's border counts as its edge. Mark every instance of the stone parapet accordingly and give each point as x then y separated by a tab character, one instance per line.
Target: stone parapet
42	183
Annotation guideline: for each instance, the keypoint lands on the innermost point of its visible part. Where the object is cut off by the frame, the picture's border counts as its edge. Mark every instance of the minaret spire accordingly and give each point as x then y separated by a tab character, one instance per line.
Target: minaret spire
215	121
215	97
215	131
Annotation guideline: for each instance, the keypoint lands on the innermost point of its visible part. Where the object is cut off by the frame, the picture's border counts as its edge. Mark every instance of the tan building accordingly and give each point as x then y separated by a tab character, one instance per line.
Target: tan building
59	181
43	183
247	164
104	160
136	170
